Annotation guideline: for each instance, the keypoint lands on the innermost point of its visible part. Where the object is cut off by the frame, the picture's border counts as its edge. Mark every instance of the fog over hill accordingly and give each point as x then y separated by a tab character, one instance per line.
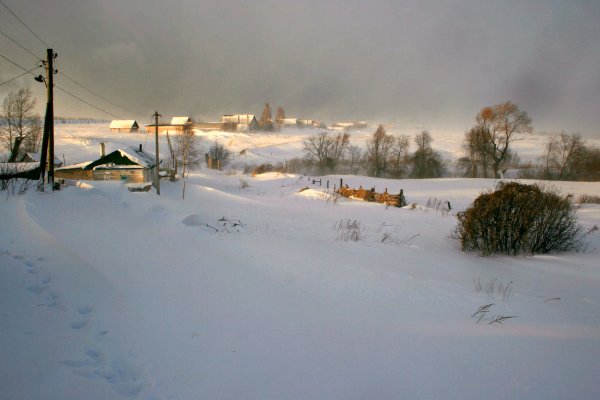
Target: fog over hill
426	63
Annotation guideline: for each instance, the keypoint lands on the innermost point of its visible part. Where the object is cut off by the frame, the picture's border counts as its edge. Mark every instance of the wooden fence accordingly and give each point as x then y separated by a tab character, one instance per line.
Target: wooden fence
394	200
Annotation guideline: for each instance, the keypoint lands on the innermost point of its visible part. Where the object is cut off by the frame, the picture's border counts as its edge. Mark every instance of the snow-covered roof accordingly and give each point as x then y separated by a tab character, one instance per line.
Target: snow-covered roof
238	118
139	157
35	157
81	165
123	124
180	120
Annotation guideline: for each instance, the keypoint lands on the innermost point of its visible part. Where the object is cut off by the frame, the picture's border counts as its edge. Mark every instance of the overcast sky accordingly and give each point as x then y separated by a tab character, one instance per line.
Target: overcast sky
417	63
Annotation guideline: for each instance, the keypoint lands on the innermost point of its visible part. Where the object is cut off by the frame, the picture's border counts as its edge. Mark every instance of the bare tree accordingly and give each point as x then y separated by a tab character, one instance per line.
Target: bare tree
563	155
427	163
219	154
399	156
20	126
353	159
266	119
187	150
476	148
500	125
326	150
378	152
280	116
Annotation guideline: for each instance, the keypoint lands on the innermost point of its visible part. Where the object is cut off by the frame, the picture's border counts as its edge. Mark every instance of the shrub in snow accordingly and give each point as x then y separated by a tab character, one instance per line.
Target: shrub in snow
517	219
349	230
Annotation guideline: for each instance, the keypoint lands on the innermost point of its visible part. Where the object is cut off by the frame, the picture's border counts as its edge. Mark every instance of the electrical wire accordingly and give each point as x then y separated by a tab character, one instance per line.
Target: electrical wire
63	74
61	89
86	102
99	96
24	24
17	65
20	45
17	77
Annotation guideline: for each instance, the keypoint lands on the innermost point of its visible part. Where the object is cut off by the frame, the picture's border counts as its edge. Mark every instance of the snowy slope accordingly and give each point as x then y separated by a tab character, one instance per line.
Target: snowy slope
249	291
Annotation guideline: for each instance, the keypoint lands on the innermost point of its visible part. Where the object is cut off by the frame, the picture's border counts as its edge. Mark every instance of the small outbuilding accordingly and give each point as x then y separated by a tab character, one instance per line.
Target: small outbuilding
35	158
124	126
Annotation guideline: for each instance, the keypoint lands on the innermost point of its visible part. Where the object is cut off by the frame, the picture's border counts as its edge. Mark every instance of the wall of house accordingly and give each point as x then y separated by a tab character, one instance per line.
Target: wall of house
136	175
75	174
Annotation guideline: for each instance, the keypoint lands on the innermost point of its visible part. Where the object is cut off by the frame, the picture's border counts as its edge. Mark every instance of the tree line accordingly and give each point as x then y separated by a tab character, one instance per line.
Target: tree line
385	155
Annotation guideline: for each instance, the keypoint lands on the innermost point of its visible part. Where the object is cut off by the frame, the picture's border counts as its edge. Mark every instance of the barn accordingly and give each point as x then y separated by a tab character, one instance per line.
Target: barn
124	126
239	122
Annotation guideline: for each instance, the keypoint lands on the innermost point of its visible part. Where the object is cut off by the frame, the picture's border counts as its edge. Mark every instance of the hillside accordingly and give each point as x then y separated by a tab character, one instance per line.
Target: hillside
249	289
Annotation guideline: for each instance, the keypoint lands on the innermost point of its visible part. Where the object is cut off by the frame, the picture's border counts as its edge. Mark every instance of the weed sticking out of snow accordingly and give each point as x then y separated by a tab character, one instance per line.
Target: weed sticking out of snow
392	234
349	230
243	184
494	287
482	314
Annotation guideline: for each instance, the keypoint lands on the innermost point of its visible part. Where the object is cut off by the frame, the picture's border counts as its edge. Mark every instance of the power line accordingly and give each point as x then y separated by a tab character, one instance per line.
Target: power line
59	88
24	24
62	73
86	102
17	77
20	45
99	96
14	63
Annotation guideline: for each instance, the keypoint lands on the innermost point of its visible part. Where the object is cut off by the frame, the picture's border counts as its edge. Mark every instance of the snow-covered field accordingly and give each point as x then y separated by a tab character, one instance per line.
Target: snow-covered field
246	289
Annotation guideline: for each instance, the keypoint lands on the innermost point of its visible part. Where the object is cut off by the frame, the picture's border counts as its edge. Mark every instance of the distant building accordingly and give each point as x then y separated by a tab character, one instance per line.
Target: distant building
239	122
177	124
35	158
124	126
348	126
308	123
181	121
208	126
289	122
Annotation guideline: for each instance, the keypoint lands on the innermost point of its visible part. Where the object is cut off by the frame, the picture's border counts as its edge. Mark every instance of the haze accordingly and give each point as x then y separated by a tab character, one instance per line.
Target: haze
415	63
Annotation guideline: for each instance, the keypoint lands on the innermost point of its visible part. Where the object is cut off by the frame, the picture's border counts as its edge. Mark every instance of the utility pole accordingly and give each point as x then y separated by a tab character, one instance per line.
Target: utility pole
157	166
51	56
48	138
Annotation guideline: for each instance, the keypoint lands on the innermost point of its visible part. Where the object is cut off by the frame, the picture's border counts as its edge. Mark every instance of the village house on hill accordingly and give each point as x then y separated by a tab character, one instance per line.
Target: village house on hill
131	165
124	126
239	123
176	125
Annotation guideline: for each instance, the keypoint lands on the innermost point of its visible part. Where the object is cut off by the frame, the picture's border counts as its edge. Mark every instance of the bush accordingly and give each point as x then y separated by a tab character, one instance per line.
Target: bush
262	168
517	219
588	199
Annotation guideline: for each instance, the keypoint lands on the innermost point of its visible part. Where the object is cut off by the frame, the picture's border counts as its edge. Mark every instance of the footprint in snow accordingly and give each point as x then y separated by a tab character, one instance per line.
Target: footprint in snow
85	310
36	289
124	377
77	325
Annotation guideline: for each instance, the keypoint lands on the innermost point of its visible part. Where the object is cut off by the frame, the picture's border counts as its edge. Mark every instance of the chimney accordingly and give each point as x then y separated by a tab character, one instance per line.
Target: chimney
140	147
102	150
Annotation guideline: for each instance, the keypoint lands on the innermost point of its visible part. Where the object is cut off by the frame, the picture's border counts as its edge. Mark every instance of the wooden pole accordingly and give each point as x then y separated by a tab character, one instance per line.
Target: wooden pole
157	166
46	136
51	55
